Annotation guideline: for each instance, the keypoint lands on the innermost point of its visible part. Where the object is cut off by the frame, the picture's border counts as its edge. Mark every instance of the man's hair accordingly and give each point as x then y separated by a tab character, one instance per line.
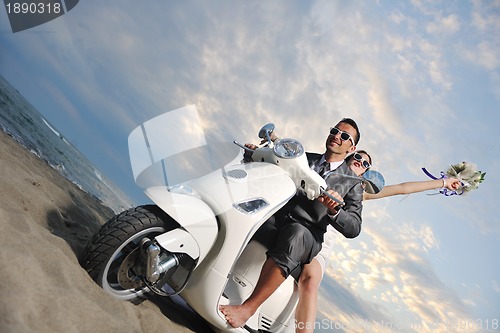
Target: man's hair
351	122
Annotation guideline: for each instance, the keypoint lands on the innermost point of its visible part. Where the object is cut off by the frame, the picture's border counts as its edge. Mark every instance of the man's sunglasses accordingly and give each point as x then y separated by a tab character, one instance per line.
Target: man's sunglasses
344	136
359	158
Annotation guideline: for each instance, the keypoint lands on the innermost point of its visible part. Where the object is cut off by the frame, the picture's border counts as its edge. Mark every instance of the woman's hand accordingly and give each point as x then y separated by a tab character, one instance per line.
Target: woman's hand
452	184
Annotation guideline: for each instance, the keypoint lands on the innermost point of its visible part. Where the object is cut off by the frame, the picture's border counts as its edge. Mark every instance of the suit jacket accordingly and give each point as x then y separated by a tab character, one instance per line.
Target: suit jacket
315	215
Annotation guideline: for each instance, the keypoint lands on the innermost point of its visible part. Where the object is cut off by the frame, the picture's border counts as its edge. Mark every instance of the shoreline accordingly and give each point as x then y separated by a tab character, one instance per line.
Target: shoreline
46	221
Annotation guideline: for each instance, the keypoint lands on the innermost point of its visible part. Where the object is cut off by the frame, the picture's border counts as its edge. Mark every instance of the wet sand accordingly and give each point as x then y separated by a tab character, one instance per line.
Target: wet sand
45	222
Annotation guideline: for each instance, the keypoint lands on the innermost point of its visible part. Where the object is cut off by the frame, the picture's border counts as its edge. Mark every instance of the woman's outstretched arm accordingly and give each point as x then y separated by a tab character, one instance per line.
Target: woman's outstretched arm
414	187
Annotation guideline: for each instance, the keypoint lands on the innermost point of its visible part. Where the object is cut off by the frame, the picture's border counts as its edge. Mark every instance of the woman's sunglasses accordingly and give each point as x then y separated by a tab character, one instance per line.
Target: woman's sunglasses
344	136
359	158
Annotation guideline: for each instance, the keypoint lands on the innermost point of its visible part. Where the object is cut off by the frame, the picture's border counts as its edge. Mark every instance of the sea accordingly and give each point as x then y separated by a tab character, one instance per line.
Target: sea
20	120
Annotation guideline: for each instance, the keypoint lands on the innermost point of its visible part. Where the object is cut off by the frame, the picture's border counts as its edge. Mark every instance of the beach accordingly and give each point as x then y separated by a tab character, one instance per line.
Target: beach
45	222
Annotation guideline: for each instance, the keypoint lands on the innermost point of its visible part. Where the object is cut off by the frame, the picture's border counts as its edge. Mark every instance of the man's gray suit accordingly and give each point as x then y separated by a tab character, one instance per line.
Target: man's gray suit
348	220
301	223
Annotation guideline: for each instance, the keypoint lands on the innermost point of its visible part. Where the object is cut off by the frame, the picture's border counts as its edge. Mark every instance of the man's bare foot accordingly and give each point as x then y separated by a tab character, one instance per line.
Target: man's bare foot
236	315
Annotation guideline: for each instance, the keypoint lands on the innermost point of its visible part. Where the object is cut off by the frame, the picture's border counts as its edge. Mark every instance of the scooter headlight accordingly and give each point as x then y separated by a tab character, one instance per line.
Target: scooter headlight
288	148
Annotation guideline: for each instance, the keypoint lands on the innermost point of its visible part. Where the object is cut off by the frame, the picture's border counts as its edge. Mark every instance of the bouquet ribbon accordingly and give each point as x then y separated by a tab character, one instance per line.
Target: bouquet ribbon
443	191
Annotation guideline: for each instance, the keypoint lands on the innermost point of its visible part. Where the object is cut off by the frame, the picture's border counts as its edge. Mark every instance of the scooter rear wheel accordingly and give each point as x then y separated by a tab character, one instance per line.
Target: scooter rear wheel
112	249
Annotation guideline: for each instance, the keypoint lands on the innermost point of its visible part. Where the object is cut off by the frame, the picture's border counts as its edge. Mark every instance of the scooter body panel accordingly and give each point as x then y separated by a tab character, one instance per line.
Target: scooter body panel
195	216
209	281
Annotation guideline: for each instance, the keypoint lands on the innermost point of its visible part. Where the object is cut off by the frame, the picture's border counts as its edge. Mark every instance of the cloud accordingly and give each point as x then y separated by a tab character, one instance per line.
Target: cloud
444	25
398	70
391	266
432	59
221	63
484	54
380	101
485	15
483	50
344	305
496	288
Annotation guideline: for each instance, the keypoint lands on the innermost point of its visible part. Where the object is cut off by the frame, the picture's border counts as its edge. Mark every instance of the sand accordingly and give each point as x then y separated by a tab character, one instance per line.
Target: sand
45	221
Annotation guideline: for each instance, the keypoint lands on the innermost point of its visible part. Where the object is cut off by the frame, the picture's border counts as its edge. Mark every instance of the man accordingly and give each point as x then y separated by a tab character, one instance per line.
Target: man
302	222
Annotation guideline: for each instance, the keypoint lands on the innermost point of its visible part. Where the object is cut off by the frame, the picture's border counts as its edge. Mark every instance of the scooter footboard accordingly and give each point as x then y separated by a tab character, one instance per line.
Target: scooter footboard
279	308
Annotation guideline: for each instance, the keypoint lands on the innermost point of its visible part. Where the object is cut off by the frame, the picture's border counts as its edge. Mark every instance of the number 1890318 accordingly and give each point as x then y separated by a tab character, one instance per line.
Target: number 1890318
33	8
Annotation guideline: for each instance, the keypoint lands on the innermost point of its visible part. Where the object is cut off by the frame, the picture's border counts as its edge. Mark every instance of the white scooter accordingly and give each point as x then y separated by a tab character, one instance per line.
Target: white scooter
196	241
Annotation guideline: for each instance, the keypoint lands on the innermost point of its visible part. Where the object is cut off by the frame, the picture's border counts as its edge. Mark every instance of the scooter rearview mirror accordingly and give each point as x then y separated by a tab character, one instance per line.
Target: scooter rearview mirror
374	181
266	130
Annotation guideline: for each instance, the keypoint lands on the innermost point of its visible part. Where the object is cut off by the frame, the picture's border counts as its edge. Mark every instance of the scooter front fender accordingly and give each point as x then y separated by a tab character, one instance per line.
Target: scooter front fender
194	215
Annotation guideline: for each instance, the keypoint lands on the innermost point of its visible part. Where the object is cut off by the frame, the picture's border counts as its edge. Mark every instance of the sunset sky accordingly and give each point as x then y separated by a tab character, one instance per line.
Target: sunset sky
421	78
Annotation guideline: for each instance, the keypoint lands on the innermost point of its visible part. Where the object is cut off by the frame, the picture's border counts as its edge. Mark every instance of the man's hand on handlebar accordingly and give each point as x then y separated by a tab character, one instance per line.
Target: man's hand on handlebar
251	146
273	137
247	155
332	205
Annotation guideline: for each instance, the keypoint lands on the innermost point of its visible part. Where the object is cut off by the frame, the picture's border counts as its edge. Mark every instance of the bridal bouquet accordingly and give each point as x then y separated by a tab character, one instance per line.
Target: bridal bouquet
466	172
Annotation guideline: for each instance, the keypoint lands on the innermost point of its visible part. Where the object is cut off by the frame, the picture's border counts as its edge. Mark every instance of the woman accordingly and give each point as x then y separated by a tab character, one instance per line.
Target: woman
312	273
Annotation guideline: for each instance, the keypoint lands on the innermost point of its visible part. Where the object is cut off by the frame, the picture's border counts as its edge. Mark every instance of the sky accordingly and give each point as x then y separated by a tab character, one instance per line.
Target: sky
421	78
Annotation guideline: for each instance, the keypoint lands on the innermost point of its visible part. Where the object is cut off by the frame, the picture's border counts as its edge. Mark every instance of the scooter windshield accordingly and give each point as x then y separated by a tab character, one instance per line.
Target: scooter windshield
171	149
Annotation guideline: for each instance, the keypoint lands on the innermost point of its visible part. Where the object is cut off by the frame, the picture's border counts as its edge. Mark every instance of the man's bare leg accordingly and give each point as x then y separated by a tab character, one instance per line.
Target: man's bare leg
305	314
271	277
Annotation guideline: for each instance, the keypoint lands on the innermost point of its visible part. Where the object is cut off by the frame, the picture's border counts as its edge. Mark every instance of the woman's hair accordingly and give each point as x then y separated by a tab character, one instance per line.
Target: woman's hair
351	156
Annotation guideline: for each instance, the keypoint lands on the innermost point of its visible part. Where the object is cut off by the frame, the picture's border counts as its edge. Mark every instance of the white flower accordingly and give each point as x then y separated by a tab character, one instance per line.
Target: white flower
468	174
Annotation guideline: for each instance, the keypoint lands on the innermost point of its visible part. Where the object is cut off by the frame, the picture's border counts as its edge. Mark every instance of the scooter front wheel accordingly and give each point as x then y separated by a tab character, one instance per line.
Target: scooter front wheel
110	255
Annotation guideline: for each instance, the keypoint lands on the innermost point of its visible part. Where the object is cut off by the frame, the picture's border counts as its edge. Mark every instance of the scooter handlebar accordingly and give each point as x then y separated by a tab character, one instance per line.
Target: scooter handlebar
325	192
243	146
306	180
